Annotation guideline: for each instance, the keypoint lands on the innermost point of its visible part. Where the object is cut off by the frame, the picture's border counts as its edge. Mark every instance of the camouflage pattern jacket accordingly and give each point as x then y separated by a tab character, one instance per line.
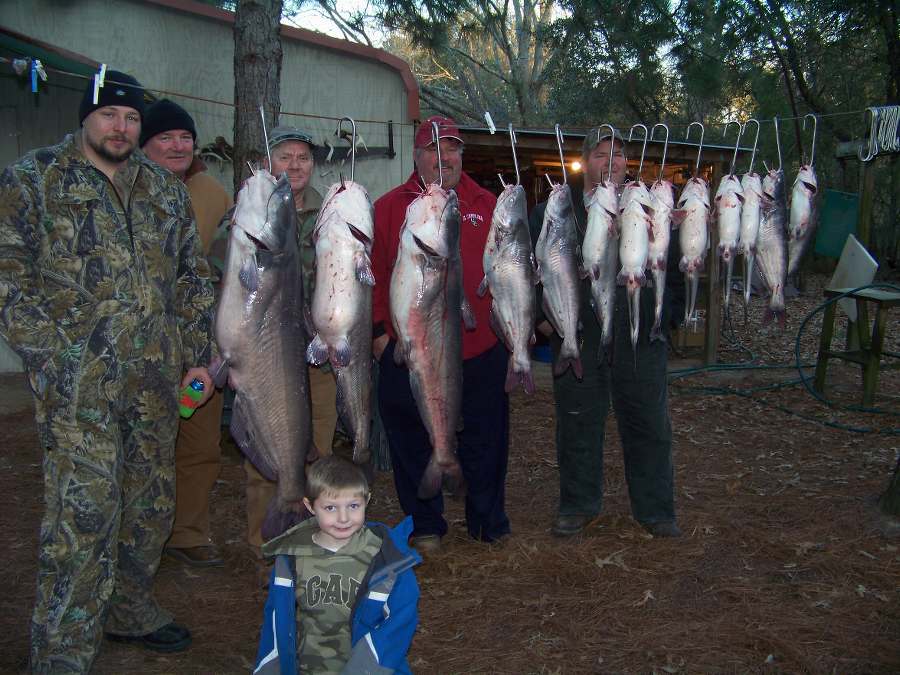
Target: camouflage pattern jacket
94	276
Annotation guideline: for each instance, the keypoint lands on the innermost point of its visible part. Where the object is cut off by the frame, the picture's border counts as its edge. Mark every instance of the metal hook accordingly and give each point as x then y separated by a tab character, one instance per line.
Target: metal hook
352	142
737	142
812	152
777	141
512	143
562	159
262	114
700	148
436	136
643	149
755	142
662	164
612	146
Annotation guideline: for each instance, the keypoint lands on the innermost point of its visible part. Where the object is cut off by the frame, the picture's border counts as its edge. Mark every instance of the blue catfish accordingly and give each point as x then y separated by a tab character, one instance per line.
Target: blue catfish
342	305
262	339
771	248
509	273
556	251
427	314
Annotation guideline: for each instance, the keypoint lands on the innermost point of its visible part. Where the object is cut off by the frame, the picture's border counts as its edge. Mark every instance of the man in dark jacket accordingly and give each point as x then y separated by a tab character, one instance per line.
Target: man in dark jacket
484	438
636	383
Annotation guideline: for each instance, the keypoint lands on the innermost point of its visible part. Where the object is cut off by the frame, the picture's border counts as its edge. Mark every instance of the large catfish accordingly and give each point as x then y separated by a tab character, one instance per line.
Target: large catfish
509	272
261	336
663	203
636	231
729	200
770	244
751	186
600	251
427	313
692	215
804	215
342	305
556	252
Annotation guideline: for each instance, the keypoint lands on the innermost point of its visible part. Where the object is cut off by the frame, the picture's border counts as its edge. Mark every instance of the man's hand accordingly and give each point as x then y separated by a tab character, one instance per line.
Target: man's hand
378	345
201	374
545	328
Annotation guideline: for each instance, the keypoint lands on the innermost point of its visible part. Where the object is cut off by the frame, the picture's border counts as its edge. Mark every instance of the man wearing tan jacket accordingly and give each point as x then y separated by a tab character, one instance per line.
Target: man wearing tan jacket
168	137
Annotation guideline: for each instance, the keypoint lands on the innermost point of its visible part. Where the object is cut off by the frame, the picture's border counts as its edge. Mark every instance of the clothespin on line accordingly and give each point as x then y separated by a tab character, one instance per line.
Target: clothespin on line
490	122
99	81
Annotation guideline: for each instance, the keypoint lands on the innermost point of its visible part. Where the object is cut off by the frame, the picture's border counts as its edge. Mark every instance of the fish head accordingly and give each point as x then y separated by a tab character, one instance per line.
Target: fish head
806	177
511	210
559	204
663	192
606	196
348	208
432	221
773	185
265	217
751	183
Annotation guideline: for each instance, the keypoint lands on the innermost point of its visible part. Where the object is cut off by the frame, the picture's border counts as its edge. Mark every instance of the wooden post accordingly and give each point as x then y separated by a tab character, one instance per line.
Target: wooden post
866	202
713	288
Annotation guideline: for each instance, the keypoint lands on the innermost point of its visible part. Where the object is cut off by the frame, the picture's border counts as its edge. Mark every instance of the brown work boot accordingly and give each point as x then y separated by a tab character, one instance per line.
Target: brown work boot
667	528
197	556
569	525
426	543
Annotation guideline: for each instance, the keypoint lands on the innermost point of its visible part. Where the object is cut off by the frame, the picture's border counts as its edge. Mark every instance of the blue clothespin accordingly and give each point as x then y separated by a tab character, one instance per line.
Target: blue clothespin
34	75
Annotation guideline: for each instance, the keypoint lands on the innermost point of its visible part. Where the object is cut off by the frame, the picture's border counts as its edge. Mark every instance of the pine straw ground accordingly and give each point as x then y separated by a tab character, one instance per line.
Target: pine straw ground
785	566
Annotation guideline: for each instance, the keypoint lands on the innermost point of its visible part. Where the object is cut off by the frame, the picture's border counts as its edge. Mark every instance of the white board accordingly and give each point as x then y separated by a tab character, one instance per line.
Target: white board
855	268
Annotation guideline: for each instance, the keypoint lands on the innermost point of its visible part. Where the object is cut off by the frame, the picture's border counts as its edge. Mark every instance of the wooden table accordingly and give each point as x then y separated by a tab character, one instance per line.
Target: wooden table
869	353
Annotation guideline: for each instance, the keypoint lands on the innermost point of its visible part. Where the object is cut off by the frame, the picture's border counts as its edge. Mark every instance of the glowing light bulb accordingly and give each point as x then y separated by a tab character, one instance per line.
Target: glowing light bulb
576	166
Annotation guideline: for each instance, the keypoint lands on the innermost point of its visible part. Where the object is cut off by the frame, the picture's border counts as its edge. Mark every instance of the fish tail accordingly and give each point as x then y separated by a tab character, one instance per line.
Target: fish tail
729	270
634	314
569	357
279	519
516	376
775	315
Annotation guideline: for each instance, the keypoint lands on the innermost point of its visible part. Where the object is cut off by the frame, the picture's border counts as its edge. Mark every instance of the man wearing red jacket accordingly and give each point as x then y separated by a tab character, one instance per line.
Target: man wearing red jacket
484	439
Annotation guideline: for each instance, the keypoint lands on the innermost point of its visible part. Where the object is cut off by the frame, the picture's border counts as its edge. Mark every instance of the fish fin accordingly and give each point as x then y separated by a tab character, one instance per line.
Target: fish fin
401	353
498	328
656	334
528	382
317	351
242	433
249	276
468	316
678	216
776	315
430	485
364	270
340	355
360	236
809	186
535	274
278	520
740	196
218	371
426	249
482	287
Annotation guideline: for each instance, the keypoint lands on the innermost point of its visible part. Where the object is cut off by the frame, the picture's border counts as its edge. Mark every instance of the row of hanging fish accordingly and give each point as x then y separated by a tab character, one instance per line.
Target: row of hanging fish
753	219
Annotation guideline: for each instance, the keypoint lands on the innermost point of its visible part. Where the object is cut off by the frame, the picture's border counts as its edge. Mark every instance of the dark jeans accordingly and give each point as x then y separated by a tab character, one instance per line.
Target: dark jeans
639	394
483	444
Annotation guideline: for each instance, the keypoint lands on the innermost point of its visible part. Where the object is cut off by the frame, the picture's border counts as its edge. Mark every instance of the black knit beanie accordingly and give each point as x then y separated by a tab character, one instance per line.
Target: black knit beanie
118	89
165	115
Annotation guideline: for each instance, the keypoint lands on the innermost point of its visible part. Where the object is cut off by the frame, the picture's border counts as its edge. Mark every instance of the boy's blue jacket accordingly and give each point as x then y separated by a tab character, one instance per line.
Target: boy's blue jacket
383	619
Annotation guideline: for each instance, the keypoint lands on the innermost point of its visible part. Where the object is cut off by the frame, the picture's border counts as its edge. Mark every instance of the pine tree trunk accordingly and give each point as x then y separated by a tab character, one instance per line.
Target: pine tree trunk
257	79
890	500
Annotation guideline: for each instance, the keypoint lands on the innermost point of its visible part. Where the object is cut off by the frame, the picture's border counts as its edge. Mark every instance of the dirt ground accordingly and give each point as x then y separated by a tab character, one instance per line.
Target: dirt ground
785	564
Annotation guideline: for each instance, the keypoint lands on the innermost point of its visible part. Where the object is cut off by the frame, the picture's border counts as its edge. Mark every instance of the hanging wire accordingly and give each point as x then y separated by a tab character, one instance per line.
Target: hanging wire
700	147
512	144
777	141
436	135
262	115
662	164
737	143
755	142
352	142
812	152
562	159
644	148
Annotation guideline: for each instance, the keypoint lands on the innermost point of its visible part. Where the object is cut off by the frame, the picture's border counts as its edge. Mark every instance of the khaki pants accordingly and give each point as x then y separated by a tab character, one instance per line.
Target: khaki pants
198	461
323	393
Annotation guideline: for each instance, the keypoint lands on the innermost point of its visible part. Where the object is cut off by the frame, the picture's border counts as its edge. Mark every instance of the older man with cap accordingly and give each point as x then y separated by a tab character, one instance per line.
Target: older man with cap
168	137
636	383
484	438
292	151
108	302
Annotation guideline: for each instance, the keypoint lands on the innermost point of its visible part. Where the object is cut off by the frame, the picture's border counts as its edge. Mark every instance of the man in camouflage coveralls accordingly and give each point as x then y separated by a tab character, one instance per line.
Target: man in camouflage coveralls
106	299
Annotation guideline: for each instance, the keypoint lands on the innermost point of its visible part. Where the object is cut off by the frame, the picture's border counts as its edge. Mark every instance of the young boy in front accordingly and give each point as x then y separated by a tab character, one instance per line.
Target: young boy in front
352	581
